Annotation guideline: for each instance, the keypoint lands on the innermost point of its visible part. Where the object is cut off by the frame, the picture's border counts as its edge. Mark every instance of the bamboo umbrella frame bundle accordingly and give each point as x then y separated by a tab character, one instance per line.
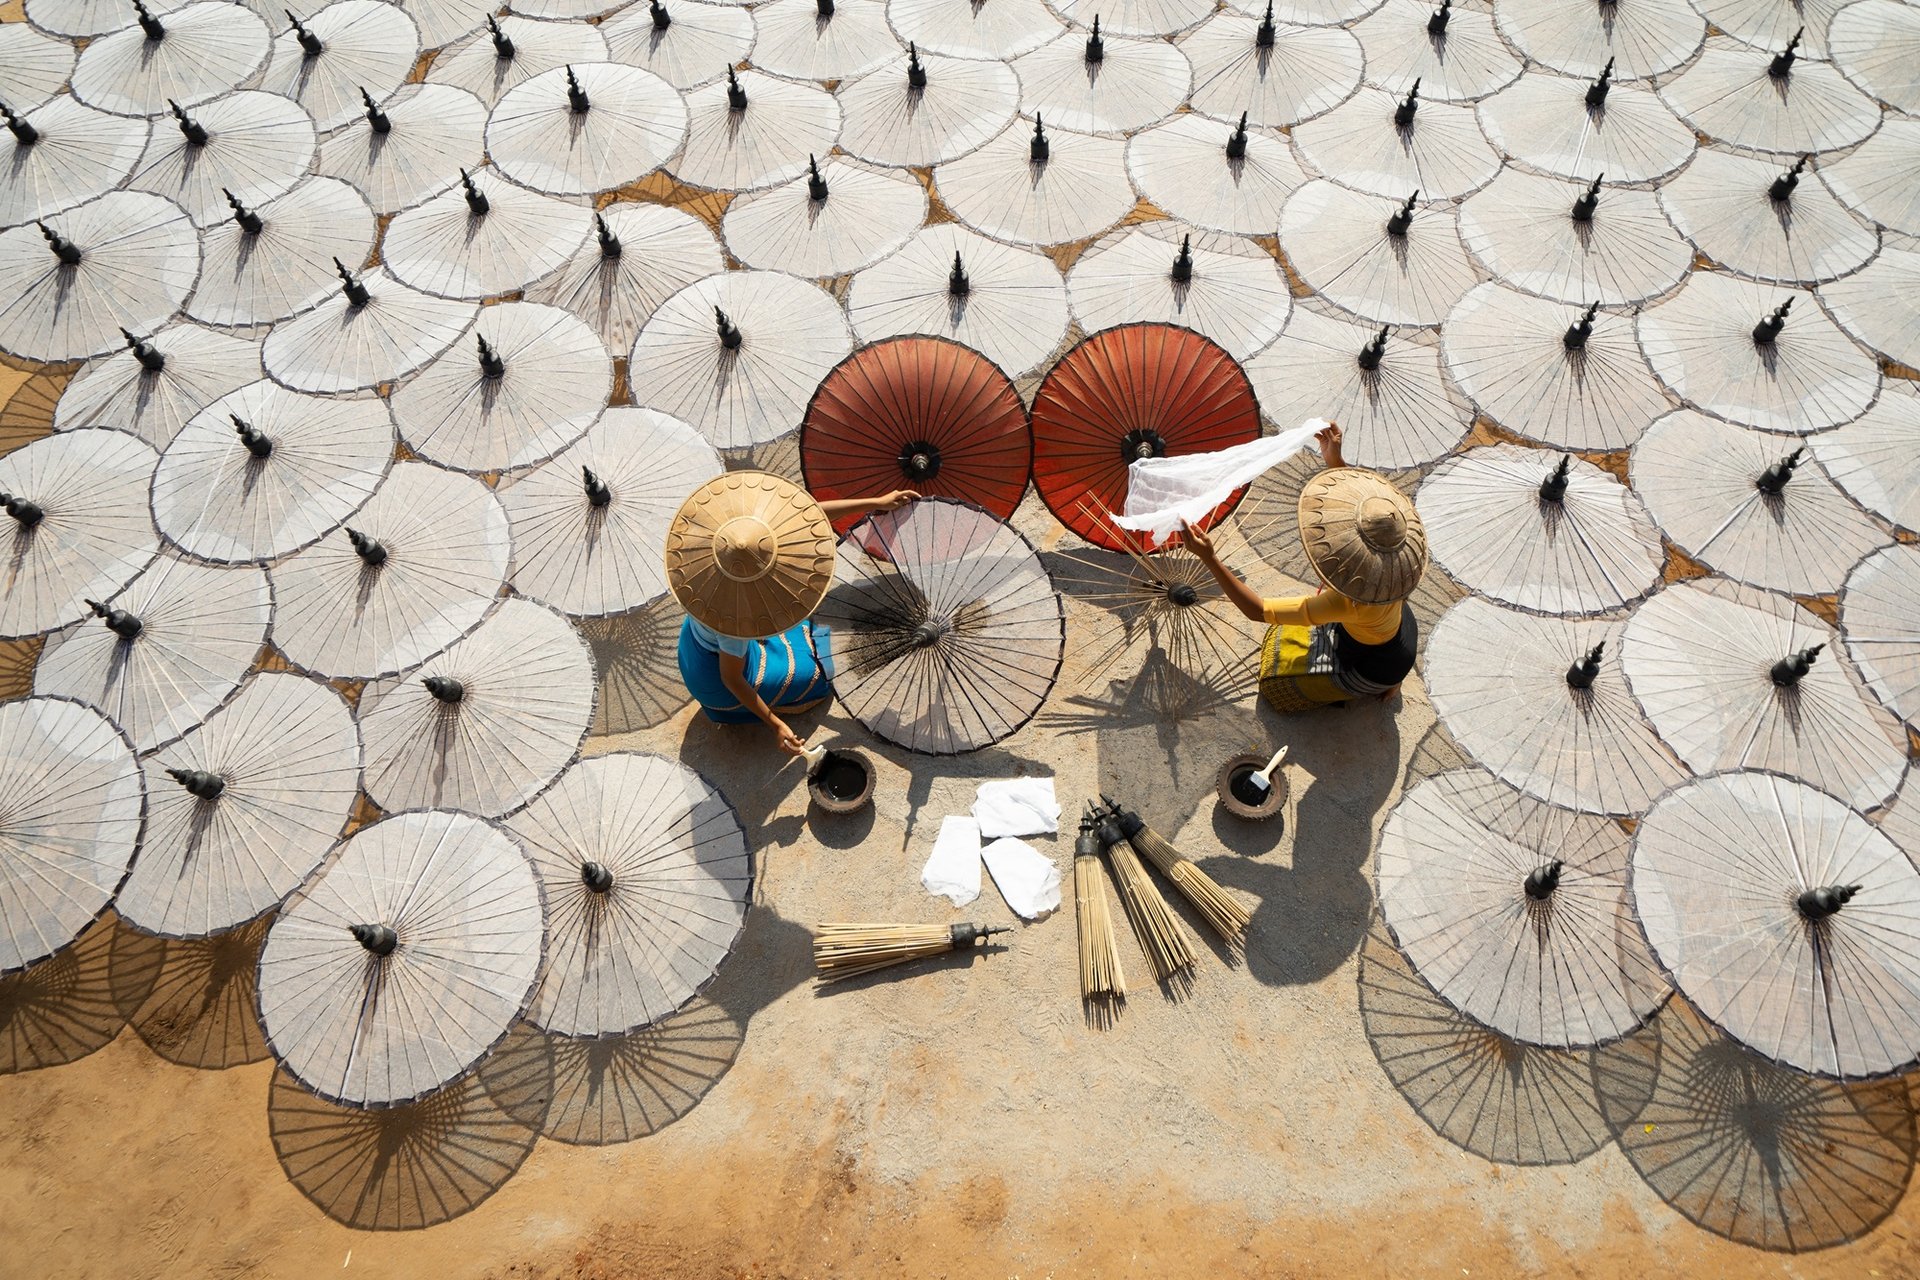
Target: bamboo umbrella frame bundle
1162	936
1223	914
1102	981
842	951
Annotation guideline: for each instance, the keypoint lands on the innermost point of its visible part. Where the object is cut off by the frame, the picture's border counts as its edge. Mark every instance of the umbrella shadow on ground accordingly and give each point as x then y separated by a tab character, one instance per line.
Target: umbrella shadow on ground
62	1008
636	661
193	1000
750	770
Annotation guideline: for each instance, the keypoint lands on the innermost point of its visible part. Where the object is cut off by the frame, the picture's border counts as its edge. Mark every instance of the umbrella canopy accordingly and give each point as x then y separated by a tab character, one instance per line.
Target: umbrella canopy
1516	912
633	653
1734	678
1880	620
996	31
80	19
1454	54
528	386
485	237
1872	178
1880	304
590	526
61	154
615	290
1577	128
1565	375
1770	23
511	51
1383	386
947	631
1094	83
1542	702
340	52
371	329
1136	391
403	959
1741	351
409	148
33	66
1901	819
1787	919
27	414
264	472
1323	13
1225	287
922	109
246	146
1770	100
585	128
1582	39
1134	17
822	39
173	646
1573	242
1008	304
1039	186
1757	219
485	725
739	354
1876	44
1542	532
1387	144
73	281
1387	261
158	382
838	217
184	57
647	877
1871	457
74	804
753	131
1752	506
80	530
567	10
687	45
1276	75
917	413
1220	176
443	21
243	808
418	568
266	263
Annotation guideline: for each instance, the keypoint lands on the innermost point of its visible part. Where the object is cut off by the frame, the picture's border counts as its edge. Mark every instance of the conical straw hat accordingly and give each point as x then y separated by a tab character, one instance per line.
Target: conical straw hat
749	554
1362	535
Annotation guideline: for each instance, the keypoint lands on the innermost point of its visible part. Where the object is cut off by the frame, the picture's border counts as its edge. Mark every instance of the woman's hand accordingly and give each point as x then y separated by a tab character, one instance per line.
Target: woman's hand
891	501
1328	438
790	742
1197	542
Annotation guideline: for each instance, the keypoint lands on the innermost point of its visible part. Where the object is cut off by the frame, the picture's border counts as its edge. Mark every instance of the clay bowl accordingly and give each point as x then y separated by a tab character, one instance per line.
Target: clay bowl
842	782
1241	798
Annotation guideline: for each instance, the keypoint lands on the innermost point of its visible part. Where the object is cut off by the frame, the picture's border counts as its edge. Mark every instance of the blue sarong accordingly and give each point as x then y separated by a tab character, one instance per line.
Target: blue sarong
786	670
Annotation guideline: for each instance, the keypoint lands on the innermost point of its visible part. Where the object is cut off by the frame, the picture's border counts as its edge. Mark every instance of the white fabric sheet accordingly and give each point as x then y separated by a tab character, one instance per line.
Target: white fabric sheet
1016	807
1027	878
953	869
1161	492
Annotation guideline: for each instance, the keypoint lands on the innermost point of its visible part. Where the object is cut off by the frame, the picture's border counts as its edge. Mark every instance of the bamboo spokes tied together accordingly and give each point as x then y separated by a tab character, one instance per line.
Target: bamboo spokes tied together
1223	914
1102	983
842	951
1162	936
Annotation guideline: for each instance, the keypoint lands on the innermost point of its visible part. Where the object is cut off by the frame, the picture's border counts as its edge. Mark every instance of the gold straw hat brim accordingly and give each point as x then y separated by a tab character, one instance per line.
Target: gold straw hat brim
1331	507
795	579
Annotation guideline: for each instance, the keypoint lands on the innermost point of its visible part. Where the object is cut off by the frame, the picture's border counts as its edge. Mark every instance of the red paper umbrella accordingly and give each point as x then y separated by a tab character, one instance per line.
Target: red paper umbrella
917	413
1133	391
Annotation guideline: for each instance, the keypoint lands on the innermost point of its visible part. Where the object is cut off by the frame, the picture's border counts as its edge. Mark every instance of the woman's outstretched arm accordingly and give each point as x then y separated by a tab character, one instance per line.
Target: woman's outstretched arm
1244	598
838	507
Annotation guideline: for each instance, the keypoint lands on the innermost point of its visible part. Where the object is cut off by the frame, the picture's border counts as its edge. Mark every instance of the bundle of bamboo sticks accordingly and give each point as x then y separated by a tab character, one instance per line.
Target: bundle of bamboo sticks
1102	984
1165	940
1223	914
843	951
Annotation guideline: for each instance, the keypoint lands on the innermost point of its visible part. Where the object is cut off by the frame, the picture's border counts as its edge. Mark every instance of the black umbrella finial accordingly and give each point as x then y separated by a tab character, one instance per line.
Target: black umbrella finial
1782	187
609	242
730	336
250	222
1585	205
816	185
64	249
1774	478
1793	668
598	494
1554	487
661	18
736	92
1402	220
1263	38
958	286
25	134
1575	338
376	118
119	621
376	938
823	8
1039	150
154	28
1543	880
27	514
596	877
502	44
1403	114
477	202
491	363
1374	351
199	783
310	44
445	689
1817	904
1782	65
192	130
1770	325
576	96
1183	261
1237	144
1096	47
355	292
916	74
1581	674
255	439
1437	20
371	552
1597	91
151	358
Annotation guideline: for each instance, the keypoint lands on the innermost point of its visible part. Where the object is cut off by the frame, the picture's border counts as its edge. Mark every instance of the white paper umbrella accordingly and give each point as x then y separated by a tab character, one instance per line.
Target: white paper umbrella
1733	94
1516	912
485	725
1038	185
1225	177
739	354
1758	219
1785	918
822	39
1309	13
1542	703
403	959
1744	352
77	526
1573	242
921	110
1388	261
512	51
337	52
839	217
1734	678
1582	37
1543	532
1880	304
1553	372
243	808
370	330
1769	24
172	647
687	44
1901	820
158	382
1384	388
526	386
265	471
585	127
638	256
1876	44
432	132
1880	620
1097	83
415	569
1134	17
84	18
1455	54
265	263
1225	287
33	66
991	29
1389	144
647	876
1872	456
1008	304
486	236
442	21
74	806
1277	75
246	146
61	154
1873	179
1574	128
70	283
752	130
185	56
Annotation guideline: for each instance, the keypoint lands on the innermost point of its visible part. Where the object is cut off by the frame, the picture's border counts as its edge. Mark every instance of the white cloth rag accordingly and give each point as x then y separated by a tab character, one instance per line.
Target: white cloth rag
1016	807
1027	878
953	868
1161	492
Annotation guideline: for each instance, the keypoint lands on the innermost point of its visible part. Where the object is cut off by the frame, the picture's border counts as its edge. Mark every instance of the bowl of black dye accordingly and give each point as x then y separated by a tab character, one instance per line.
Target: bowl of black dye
842	782
1242	797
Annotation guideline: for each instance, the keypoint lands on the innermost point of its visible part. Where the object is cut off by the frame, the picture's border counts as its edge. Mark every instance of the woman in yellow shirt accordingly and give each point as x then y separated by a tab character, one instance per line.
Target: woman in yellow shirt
1355	637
